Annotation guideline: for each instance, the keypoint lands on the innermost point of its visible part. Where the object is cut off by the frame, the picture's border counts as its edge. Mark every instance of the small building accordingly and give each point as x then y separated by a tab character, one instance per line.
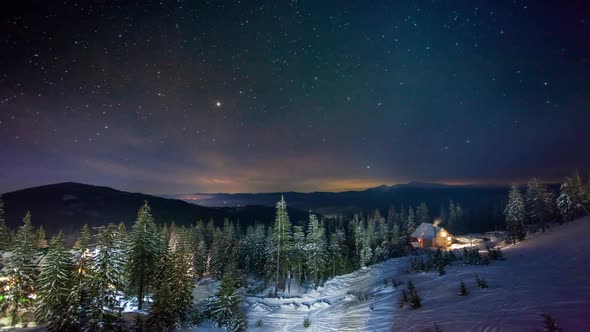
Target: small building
430	235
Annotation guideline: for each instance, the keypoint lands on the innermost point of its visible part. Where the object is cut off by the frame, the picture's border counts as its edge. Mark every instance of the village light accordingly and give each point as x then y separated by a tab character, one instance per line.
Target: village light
443	233
449	238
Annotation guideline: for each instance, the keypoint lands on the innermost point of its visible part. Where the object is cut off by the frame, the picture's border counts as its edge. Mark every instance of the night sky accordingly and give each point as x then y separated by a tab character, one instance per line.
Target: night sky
255	96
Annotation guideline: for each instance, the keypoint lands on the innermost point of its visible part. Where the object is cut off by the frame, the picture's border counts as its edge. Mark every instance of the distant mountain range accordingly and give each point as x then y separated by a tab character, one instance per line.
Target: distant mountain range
68	206
330	203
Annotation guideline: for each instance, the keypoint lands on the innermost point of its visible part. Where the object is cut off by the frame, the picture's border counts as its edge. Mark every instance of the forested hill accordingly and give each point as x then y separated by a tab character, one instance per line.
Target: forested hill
67	206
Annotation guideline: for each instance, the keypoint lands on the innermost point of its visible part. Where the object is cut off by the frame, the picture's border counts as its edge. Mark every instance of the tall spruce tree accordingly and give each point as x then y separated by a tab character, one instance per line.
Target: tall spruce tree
107	277
282	234
515	215
315	249
53	288
422	214
22	270
173	283
143	254
539	203
297	253
199	249
574	198
81	295
40	238
565	204
395	241
411	223
338	251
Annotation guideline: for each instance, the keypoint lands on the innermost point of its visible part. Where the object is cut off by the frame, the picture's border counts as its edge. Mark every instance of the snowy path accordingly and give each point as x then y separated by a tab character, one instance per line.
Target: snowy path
332	307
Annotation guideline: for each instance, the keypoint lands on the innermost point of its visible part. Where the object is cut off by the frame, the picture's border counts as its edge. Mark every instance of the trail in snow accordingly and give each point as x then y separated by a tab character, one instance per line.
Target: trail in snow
332	307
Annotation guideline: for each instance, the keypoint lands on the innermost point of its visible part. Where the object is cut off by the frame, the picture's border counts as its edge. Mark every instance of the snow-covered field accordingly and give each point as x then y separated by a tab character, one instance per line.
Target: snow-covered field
549	273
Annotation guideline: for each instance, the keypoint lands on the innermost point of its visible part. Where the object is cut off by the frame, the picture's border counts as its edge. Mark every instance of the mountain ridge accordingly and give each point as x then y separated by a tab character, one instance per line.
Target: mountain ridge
69	205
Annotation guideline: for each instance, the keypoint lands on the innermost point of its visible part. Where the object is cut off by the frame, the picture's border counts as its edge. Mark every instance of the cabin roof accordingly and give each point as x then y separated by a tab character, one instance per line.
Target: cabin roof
426	231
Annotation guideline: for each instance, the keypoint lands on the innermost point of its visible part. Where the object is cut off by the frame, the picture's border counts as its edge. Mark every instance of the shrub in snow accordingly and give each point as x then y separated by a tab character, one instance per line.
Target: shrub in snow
410	297
362	296
495	254
473	257
441	270
403	301
306	323
259	323
480	282
463	291
413	297
550	325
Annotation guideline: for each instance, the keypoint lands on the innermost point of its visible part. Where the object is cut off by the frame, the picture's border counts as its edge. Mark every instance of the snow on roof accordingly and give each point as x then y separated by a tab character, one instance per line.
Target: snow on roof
426	231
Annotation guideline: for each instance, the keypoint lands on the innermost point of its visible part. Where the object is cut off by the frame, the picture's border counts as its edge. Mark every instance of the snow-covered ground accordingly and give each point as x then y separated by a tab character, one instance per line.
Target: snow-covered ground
549	273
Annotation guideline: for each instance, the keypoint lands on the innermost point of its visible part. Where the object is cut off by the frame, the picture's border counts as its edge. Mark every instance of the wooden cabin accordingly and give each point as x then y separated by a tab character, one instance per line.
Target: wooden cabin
429	235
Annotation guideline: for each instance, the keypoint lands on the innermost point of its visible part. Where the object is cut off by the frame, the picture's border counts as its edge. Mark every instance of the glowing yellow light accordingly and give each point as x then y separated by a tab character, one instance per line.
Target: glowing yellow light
449	238
443	233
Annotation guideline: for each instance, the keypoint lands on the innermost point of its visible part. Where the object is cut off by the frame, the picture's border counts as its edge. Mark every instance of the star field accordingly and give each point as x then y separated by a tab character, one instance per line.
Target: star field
250	96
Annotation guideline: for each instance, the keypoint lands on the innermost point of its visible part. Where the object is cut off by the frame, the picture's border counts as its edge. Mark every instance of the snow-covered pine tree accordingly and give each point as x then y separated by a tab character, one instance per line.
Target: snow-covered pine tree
80	297
255	249
21	270
107	280
40	238
370	240
297	253
180	272
566	207
315	249
4	234
395	240
53	287
381	240
122	232
162	316
515	215
230	245
411	223
422	214
338	252
538	203
573	198
366	253
218	255
199	249
282	234
224	308
144	249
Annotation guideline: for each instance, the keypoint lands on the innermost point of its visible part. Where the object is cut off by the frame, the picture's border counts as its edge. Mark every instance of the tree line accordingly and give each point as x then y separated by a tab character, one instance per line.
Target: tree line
538	205
84	288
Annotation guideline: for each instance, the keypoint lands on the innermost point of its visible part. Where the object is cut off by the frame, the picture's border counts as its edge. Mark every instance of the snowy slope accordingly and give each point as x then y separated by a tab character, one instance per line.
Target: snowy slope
547	273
